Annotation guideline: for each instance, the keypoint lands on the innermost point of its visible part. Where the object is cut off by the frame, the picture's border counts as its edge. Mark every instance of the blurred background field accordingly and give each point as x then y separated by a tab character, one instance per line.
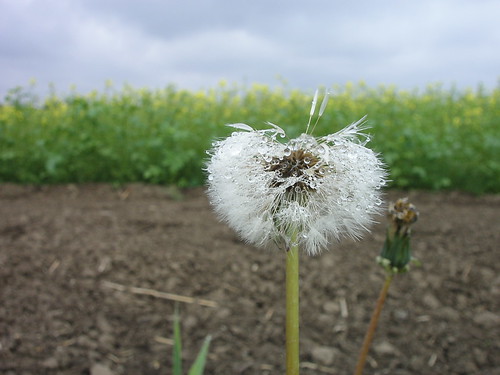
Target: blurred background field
436	139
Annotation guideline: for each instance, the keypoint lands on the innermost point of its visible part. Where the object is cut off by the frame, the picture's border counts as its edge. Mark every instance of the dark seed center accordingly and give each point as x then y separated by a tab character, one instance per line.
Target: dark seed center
293	165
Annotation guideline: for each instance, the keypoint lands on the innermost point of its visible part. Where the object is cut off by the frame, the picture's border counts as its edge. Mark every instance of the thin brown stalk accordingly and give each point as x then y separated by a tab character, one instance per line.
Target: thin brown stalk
373	325
158	294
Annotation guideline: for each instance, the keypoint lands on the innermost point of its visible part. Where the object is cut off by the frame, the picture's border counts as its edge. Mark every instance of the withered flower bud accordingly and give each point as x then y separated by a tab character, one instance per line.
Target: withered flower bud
396	252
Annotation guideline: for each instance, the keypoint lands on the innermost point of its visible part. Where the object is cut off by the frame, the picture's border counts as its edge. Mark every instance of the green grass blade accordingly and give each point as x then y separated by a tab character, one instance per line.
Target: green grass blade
199	363
177	355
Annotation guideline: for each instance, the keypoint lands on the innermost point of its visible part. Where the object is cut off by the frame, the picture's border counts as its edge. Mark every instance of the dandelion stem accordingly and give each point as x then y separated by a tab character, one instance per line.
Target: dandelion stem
292	308
373	324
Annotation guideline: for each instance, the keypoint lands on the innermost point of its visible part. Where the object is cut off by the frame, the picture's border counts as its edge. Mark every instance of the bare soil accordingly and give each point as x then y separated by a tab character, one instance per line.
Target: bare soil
84	270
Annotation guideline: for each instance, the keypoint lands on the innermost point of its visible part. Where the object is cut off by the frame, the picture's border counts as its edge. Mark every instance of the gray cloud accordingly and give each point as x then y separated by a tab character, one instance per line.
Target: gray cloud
195	44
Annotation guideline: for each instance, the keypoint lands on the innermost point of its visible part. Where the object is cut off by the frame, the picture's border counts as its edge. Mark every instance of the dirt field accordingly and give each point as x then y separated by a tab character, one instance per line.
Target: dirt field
73	260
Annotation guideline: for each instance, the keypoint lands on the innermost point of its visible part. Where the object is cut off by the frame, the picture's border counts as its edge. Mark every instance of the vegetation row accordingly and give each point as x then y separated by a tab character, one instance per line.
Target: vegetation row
434	139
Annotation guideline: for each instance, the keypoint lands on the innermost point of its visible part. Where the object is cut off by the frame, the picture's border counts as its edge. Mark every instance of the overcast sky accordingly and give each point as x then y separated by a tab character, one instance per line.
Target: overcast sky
196	44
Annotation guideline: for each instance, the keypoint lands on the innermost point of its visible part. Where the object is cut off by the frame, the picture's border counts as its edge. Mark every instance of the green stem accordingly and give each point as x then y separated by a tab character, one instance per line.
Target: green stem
292	308
373	325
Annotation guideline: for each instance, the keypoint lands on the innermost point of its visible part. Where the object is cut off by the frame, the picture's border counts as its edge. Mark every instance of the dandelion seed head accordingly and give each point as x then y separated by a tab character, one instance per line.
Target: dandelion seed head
322	188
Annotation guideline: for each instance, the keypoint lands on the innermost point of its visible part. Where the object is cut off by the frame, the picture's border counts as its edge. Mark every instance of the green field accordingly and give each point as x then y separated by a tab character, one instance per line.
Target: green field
430	139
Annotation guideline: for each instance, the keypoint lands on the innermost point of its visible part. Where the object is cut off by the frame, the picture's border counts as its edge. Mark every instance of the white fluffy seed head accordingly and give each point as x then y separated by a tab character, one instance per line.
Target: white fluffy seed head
321	188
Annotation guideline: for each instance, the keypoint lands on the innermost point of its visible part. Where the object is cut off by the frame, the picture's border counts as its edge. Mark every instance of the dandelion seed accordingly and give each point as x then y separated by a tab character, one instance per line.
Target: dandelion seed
324	103
313	109
316	190
321	109
313	104
241	127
